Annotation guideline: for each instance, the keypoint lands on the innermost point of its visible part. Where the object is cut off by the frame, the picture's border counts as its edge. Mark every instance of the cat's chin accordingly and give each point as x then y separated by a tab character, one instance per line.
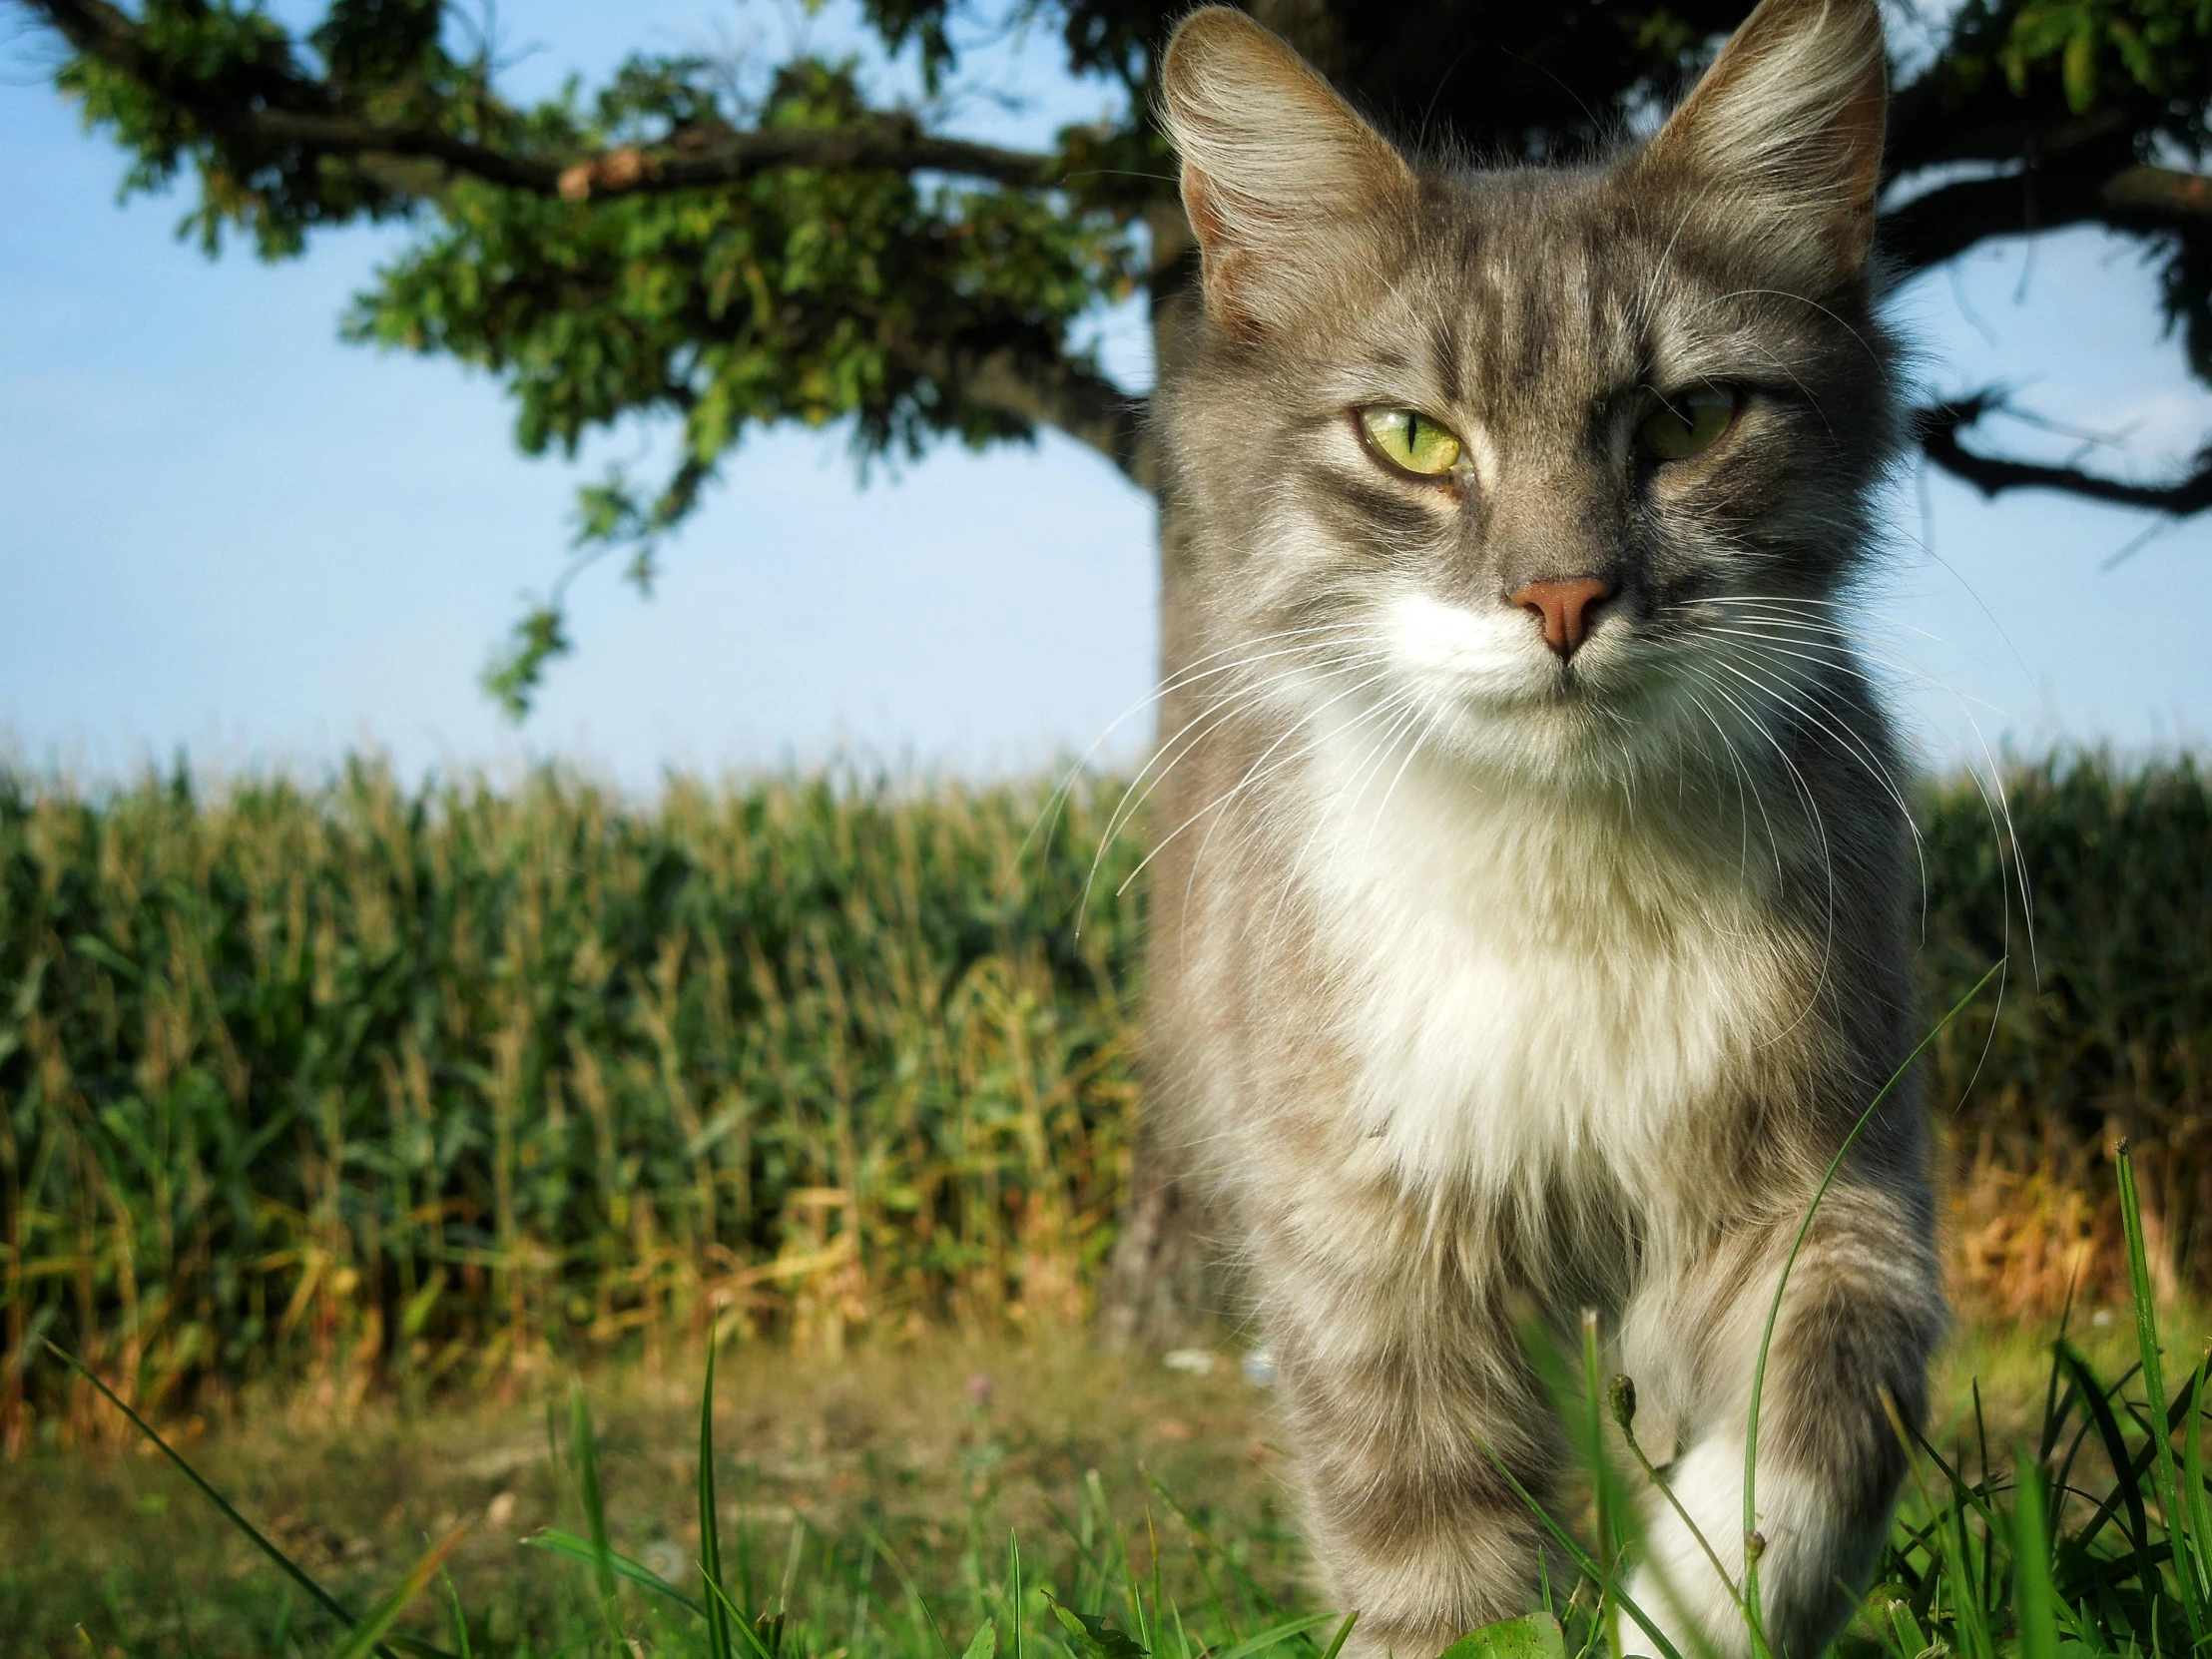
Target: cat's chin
1574	731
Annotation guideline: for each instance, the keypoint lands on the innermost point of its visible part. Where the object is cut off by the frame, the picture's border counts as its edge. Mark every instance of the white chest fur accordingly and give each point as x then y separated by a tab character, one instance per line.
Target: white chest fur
1531	986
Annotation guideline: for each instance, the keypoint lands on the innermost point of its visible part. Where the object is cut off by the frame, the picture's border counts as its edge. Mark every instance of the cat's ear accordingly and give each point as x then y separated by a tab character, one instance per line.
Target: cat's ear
1278	173
1787	121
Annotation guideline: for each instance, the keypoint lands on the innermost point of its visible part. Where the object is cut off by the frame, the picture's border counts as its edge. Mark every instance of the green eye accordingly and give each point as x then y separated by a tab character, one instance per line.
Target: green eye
1409	439
1686	424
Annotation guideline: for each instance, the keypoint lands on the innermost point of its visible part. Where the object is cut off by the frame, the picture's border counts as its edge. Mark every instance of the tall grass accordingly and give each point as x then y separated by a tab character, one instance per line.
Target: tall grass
2091	1537
2104	1031
349	1084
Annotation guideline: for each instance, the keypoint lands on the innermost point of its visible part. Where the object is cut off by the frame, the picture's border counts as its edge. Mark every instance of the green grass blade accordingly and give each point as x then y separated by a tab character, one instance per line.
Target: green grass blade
907	1581
290	1568
749	1630
364	1637
2155	1389
1261	1641
460	1619
572	1548
585	1450
1581	1558
2192	1479
709	1523
1752	1611
2035	1605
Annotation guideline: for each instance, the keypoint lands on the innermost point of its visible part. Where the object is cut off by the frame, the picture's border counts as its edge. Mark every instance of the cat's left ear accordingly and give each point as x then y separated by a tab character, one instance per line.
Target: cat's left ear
1280	174
1788	124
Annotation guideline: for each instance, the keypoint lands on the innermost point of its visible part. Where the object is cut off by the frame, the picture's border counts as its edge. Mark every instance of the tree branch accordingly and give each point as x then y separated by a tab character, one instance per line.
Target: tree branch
892	142
1947	221
2165	192
1943	223
1070	399
272	102
1926	128
1939	425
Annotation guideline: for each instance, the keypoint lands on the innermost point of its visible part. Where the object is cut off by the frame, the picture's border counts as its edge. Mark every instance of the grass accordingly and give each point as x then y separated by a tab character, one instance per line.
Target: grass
347	1087
337	1099
1077	1508
935	1453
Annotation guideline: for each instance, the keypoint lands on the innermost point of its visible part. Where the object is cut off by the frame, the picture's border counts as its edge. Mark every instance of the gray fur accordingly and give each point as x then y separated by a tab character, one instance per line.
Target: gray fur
1491	986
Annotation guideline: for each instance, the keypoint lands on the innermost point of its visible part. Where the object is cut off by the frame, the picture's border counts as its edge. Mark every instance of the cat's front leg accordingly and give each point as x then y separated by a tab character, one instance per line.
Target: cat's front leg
1861	1315
1405	1396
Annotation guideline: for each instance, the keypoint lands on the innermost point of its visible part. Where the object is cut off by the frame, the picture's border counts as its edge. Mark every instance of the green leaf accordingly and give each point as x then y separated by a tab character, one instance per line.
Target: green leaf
2079	71
292	1569
99	950
1533	1636
2154	1385
709	1523
571	1547
362	1639
1094	1636
1274	1636
985	1643
2035	1599
586	1451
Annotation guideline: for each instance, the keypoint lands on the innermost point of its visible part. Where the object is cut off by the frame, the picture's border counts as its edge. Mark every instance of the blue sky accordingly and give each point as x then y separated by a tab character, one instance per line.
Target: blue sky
224	532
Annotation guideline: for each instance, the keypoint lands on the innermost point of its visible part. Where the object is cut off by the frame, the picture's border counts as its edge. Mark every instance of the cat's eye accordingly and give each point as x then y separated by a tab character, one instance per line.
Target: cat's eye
1409	439
1687	423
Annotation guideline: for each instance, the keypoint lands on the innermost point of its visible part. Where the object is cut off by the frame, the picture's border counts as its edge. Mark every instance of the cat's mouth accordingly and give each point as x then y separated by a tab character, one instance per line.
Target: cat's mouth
1516	658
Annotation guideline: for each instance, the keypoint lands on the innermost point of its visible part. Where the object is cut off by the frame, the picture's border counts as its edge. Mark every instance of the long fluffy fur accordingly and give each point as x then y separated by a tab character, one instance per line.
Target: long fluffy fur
1490	987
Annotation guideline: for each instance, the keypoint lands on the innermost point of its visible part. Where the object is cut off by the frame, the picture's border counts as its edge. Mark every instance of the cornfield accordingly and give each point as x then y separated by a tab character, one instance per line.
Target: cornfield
355	1085
357	1082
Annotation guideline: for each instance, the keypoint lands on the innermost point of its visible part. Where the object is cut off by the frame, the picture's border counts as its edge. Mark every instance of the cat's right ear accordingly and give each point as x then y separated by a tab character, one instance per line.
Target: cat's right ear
1786	128
1278	173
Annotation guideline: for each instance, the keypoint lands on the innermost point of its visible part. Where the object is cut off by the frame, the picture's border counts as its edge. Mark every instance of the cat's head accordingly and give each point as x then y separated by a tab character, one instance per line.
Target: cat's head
1567	467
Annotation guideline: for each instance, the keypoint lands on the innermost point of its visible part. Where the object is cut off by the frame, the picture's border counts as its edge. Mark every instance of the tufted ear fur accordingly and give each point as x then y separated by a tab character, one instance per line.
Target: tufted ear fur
1787	121
1278	173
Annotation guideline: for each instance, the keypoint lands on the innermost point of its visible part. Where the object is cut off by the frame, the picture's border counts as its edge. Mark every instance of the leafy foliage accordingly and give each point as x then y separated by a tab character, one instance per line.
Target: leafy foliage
800	294
626	257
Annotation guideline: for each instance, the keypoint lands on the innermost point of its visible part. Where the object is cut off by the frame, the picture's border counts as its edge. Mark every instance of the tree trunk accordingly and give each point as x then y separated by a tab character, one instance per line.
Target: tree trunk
1161	1289
1168	1280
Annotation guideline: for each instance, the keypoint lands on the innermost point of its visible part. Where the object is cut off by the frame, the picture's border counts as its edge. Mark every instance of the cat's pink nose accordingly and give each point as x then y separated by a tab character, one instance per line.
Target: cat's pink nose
1565	608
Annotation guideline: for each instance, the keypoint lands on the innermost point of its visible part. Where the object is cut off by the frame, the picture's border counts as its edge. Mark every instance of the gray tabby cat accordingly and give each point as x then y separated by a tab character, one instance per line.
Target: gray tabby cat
1530	913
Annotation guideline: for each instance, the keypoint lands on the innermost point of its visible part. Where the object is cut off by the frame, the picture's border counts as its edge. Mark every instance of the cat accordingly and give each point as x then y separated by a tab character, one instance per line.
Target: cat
1529	893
